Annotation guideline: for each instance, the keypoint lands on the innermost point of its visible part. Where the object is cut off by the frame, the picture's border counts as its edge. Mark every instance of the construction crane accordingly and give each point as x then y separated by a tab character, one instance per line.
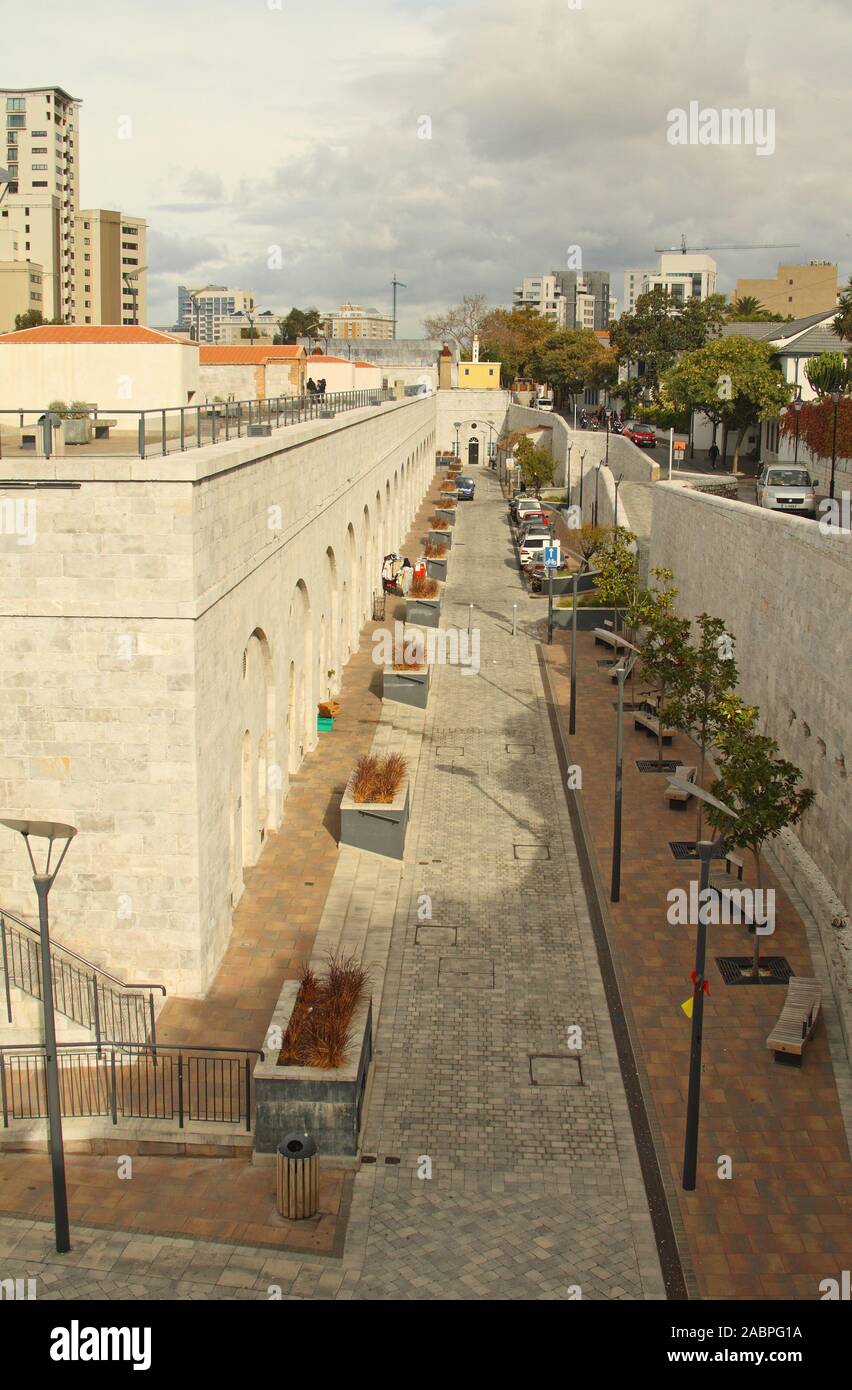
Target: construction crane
762	246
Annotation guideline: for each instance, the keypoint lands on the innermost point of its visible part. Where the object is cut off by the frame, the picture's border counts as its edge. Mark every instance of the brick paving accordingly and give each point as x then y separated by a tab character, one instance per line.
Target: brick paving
783	1221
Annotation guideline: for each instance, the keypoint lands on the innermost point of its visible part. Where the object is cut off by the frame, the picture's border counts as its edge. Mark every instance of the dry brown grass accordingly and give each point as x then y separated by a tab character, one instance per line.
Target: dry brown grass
319	1031
433	550
378	779
439	523
448	488
423	588
448	502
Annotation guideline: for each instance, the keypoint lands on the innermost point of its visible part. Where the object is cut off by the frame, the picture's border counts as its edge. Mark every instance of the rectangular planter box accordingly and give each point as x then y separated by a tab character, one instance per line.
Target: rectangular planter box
448	514
437	569
407	687
423	612
77	431
442	537
328	1104
376	826
587	618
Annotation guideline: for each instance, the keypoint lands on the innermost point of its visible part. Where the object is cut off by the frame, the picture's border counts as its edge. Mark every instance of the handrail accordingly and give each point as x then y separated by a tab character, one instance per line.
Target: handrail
90	964
39	1047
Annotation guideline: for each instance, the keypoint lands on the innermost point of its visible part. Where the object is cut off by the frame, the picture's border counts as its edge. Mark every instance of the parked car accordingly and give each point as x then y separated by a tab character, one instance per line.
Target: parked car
641	435
537	575
533	519
786	488
465	487
519	505
532	551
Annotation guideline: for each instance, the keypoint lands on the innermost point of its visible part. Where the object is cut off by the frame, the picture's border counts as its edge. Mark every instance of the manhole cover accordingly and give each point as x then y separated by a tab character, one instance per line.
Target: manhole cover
651	764
736	970
466	972
435	936
686	849
517	748
532	851
447	750
552	1069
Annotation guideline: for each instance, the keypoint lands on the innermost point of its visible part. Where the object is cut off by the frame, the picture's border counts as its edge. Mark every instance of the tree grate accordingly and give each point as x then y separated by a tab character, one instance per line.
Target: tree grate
651	765
687	849
736	970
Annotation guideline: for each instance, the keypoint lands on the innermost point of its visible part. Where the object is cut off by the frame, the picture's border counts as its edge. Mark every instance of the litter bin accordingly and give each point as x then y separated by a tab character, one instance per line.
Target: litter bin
297	1177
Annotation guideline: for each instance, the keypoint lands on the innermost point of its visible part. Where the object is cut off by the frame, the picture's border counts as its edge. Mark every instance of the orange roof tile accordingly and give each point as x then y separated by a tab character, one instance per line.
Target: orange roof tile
233	354
91	333
320	357
366	364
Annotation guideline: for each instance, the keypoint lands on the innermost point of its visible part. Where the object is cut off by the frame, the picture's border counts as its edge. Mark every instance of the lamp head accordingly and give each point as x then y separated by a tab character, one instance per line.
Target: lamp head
52	831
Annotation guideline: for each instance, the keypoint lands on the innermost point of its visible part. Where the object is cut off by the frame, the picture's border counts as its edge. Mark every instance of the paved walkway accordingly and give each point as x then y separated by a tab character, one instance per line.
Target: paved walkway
535	1184
783	1221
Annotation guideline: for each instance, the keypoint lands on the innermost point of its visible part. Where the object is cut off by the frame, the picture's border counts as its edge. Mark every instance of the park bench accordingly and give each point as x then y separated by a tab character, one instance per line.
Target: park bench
650	725
676	798
608	639
101	427
728	881
797	1020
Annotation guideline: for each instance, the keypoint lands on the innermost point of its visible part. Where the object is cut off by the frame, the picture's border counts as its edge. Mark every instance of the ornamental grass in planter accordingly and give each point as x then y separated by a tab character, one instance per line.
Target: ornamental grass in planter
319	1031
434	550
423	587
377	780
439	523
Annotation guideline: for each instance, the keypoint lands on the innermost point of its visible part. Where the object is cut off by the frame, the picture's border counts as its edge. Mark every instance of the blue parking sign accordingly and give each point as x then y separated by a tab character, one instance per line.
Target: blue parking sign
551	557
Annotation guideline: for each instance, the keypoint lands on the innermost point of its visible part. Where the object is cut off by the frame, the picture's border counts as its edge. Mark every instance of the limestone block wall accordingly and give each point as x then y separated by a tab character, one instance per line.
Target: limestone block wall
481	407
167	633
783	588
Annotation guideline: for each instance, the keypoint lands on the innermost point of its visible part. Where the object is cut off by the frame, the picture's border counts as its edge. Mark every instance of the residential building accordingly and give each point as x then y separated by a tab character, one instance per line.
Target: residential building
112	263
20	281
796	291
684	275
413	361
540	292
356	321
113	367
205	312
41	155
569	298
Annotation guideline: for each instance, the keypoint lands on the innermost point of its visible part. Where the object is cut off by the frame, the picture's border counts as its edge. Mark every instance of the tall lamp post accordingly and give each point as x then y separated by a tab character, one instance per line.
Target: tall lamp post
589	576
796	405
707	851
54	833
836	396
457	424
622	671
582	470
618	482
597	479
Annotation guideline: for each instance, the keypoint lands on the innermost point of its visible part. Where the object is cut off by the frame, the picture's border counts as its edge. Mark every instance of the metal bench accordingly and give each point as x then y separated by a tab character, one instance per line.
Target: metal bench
797	1020
608	639
676	798
650	725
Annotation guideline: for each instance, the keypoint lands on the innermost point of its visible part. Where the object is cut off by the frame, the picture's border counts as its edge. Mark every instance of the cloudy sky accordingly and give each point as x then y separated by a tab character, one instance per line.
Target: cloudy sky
263	124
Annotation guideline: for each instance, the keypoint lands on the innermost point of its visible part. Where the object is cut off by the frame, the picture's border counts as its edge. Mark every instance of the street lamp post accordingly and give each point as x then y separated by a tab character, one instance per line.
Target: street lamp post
617	486
836	397
582	470
597	478
707	851
52	832
622	671
568	474
457	424
796	405
572	714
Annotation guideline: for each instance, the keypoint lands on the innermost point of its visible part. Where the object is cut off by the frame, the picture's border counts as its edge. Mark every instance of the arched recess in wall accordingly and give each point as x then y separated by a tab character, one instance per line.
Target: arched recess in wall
349	597
260	788
391	537
365	571
301	702
380	550
396	511
331	659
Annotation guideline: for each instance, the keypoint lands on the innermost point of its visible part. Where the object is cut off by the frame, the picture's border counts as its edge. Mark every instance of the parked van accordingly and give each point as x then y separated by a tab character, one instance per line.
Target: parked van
785	487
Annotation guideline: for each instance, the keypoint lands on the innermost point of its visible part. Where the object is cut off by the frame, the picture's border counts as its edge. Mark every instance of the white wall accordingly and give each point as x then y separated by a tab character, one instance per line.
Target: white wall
126	376
339	376
124	628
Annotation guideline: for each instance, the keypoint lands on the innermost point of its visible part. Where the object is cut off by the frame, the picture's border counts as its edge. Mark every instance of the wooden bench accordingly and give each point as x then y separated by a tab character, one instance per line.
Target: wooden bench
651	726
675	797
609	639
725	882
797	1020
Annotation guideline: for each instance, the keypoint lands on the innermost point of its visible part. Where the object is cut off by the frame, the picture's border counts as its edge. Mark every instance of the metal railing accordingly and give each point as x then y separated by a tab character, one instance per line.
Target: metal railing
174	429
82	991
126	1080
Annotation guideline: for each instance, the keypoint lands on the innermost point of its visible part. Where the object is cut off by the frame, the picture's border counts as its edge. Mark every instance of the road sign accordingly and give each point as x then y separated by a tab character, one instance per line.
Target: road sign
551	557
680	446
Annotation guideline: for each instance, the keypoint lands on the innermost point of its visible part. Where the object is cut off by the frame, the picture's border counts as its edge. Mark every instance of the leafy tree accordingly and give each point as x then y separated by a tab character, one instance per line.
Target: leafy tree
843	323
512	337
299	323
573	359
32	318
617	563
659	329
816	427
589	540
762	788
663	642
734	381
461	321
711	675
536	463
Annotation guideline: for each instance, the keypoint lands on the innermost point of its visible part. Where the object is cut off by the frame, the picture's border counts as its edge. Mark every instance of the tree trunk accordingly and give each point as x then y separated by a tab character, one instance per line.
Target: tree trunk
700	782
724	445
755	963
660	726
740	438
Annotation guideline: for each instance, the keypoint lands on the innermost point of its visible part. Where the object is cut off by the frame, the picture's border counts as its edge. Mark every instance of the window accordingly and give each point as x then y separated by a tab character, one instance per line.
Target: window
16	104
87	257
42	149
38	183
38	134
12	171
130	246
39	168
130	231
16	122
129	260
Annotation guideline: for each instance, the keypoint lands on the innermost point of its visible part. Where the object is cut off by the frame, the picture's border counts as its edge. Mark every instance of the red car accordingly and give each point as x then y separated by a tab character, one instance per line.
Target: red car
641	436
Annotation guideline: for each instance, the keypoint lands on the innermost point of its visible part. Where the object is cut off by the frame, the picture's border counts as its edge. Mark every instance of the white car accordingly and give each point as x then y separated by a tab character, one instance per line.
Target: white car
786	488
532	550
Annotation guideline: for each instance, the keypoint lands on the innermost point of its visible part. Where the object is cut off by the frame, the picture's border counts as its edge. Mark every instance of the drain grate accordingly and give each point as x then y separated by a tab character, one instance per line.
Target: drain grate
736	970
555	1069
427	935
651	765
686	849
532	851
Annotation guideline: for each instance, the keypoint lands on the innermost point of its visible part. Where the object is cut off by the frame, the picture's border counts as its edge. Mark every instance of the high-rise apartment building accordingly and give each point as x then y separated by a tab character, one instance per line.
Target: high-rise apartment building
356	321
204	313
91	264
112	260
541	293
569	298
684	275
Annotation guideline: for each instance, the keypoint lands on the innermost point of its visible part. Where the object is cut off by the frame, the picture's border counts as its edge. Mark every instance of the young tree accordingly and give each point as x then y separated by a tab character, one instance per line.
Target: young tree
762	788
300	323
734	381
573	359
589	540
617	563
461	321
537	464
663	642
513	337
710	675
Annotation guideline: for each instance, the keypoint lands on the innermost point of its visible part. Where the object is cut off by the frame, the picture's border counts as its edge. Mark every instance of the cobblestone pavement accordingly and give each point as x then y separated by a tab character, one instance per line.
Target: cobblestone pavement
535	1184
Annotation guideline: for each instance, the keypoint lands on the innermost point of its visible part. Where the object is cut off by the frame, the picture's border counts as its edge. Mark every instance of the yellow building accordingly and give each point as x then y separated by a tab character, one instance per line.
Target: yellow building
797	290
476	375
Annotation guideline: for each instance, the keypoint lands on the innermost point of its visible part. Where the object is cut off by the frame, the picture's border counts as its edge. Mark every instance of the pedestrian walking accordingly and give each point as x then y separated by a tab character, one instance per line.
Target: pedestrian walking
312	386
405	576
713	454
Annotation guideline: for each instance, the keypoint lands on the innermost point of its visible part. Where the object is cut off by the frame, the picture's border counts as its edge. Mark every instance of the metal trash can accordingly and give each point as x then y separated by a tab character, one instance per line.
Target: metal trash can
297	1177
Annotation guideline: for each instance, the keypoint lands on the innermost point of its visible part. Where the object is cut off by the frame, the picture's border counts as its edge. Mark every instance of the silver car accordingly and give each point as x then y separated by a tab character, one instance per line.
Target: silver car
786	488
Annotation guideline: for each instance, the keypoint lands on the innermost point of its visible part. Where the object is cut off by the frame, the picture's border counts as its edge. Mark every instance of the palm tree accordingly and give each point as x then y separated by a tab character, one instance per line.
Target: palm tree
843	323
747	307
